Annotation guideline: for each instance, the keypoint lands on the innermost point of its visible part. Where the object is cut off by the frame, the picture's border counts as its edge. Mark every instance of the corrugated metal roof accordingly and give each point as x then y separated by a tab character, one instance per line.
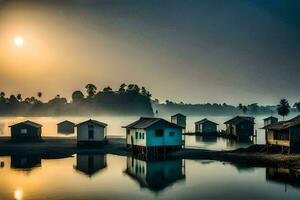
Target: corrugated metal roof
239	119
145	122
93	122
204	121
284	124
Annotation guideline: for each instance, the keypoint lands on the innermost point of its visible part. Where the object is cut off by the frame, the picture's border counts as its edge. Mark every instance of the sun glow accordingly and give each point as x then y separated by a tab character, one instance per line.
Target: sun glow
18	194
19	41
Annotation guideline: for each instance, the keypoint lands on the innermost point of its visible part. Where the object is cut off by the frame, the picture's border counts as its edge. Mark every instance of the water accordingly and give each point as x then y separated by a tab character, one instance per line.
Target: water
115	124
115	177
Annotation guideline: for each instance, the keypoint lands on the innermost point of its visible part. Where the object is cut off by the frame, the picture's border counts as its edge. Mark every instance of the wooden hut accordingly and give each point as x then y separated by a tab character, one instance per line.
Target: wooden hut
240	126
153	135
26	131
270	120
206	126
91	132
66	127
90	164
284	134
179	119
155	175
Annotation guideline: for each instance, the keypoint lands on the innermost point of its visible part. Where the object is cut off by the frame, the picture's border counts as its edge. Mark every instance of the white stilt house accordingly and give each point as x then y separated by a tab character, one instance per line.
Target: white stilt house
91	132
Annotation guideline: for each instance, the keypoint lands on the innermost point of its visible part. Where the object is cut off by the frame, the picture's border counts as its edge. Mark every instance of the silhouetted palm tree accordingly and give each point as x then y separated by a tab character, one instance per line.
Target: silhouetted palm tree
91	89
283	108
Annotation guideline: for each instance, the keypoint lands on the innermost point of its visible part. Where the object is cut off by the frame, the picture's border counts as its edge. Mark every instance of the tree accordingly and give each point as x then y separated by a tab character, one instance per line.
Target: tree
91	90
253	108
145	92
297	106
19	97
122	88
39	94
77	96
107	89
13	99
240	106
2	94
283	108
245	109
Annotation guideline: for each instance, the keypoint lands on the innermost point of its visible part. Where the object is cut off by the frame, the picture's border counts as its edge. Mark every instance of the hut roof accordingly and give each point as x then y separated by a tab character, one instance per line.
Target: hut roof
145	122
66	121
205	121
284	124
239	119
29	123
271	117
178	114
93	122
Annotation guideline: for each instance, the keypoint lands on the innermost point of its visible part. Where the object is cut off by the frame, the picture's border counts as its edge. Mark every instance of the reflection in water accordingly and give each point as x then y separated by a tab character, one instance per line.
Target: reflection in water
18	194
25	162
90	164
206	139
284	175
2	164
2	126
155	175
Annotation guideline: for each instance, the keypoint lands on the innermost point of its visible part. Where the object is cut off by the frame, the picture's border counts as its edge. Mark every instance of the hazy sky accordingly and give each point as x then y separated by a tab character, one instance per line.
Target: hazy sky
194	51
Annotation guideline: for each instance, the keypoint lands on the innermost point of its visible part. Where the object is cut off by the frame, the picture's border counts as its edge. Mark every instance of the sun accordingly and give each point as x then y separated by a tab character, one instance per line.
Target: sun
19	41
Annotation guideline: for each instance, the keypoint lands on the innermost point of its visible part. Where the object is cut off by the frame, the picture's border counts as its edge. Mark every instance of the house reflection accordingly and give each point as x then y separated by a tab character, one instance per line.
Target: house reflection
25	162
246	141
2	126
2	164
90	164
283	176
206	139
155	175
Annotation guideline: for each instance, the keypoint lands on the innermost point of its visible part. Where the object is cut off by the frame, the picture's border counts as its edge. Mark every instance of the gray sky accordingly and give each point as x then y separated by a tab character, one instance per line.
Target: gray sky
192	51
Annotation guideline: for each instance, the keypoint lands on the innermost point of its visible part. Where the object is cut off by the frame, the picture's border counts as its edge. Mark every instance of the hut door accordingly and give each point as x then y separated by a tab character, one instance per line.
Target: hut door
131	140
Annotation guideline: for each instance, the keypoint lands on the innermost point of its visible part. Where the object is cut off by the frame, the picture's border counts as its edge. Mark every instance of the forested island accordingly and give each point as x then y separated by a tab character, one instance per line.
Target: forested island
128	99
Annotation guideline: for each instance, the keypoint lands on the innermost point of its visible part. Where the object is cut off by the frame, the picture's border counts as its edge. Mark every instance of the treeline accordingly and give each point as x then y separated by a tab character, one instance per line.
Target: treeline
170	107
127	100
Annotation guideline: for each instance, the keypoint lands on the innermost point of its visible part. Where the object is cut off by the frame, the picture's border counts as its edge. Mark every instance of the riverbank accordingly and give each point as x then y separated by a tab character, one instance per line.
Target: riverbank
54	147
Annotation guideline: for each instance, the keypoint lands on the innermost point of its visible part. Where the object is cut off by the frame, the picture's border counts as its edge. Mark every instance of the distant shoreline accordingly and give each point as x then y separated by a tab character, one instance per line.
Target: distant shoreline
55	147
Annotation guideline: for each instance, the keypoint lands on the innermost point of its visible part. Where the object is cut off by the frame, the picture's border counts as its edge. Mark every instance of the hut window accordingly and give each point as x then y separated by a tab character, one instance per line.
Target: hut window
128	131
140	135
172	133
24	131
159	133
143	135
136	135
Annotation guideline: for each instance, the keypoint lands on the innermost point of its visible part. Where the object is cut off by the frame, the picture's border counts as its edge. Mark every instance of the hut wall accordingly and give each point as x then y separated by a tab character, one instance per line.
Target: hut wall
138	136
171	137
83	133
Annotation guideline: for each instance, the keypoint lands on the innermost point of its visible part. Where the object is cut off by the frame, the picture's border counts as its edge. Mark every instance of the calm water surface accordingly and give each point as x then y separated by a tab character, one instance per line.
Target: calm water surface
114	177
115	123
